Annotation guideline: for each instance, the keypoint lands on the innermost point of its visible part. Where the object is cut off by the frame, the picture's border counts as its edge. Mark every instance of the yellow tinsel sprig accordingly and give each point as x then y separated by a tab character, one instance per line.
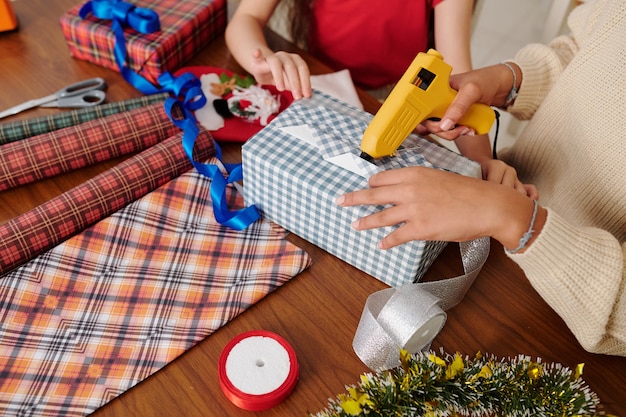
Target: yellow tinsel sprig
432	385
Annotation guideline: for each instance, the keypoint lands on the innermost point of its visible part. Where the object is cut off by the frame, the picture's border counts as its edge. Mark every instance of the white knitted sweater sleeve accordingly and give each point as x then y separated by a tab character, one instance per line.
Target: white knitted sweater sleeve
579	271
580	274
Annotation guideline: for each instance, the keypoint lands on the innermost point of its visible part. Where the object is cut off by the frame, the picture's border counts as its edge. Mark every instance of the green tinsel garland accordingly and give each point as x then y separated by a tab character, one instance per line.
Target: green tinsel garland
433	385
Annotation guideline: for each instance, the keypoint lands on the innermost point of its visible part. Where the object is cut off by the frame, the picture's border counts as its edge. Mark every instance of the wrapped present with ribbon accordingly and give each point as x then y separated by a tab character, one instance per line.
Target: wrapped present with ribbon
306	157
148	38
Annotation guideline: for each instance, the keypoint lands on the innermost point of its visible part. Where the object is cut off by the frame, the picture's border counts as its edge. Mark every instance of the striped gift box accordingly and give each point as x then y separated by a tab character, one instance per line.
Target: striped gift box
291	183
187	26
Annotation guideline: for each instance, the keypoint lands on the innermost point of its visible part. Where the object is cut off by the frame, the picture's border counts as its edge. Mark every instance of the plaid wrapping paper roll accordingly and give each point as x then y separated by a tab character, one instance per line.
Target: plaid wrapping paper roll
45	226
99	313
291	183
186	27
74	147
22	129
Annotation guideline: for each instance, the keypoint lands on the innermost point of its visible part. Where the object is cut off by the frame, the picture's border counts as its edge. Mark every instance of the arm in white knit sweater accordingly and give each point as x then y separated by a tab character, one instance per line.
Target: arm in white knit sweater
580	272
541	66
573	91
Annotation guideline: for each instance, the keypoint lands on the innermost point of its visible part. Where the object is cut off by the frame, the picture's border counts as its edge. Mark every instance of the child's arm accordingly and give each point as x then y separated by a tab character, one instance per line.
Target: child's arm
452	20
247	43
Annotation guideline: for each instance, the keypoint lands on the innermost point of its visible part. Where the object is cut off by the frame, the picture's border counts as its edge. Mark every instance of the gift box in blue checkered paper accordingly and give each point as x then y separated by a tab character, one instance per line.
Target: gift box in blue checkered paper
297	166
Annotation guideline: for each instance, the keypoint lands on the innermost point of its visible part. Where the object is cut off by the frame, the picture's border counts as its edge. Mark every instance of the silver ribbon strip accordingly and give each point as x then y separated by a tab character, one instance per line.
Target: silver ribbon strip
411	316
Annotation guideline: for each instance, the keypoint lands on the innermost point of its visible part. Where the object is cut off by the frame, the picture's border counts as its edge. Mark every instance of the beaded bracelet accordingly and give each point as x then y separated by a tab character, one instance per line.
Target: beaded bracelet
524	240
513	93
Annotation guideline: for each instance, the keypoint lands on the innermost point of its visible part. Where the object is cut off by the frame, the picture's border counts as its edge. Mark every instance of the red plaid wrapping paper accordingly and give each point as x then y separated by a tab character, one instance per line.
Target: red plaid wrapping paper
45	226
187	26
68	149
99	313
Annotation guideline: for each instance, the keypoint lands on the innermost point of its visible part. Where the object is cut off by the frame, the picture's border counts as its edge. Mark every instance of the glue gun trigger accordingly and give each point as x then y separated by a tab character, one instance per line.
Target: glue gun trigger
438	119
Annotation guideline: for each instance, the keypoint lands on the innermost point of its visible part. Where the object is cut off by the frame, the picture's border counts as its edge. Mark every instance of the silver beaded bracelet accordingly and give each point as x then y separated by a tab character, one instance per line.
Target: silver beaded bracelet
529	234
513	93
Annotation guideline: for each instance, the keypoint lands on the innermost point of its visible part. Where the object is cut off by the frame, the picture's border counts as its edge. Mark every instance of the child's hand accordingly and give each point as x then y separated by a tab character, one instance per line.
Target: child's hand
285	70
499	172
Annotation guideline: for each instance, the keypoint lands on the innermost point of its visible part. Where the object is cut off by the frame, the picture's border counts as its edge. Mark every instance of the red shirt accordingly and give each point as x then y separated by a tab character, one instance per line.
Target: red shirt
376	40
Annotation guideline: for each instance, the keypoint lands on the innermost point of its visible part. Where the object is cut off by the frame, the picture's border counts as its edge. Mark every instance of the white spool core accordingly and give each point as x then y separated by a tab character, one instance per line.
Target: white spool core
257	365
425	333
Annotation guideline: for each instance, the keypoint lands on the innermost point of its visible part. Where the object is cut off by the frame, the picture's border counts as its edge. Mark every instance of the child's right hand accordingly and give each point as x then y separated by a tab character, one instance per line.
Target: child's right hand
489	85
287	71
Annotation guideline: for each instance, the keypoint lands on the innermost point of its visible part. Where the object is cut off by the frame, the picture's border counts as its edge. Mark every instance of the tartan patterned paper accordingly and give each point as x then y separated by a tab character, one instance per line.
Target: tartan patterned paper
75	147
45	226
187	26
99	313
22	129
291	184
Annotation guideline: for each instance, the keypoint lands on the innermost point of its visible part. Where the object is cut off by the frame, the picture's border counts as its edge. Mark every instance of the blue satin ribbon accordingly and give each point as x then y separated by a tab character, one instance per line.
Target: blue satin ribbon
186	90
125	14
186	94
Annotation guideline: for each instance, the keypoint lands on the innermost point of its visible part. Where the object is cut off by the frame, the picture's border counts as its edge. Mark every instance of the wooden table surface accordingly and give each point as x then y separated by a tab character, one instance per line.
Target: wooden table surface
318	311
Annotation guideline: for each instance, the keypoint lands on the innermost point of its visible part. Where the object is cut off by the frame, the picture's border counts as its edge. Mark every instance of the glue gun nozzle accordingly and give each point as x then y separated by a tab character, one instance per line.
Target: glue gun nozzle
367	157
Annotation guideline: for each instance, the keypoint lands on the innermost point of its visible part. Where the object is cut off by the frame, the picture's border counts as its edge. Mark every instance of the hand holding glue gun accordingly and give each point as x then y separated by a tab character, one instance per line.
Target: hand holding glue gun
494	85
422	93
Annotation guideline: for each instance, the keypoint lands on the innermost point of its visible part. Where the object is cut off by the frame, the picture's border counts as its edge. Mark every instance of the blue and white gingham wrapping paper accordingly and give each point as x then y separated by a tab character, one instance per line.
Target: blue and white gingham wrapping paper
292	184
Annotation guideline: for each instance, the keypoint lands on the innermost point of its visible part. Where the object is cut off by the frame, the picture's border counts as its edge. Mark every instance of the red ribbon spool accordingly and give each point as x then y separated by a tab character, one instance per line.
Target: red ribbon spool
251	401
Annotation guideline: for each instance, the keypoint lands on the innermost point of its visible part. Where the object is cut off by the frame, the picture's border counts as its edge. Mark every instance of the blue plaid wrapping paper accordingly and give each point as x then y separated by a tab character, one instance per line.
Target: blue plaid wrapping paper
292	184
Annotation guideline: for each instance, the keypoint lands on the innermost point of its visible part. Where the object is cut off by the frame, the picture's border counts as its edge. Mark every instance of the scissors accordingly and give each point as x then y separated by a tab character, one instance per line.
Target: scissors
84	93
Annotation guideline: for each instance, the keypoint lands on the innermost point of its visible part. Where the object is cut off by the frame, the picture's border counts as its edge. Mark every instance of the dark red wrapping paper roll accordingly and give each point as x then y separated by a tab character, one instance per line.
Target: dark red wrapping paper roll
47	225
74	147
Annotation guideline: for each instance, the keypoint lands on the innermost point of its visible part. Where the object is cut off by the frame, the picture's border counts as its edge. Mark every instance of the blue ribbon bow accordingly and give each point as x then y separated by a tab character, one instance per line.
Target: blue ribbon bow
124	14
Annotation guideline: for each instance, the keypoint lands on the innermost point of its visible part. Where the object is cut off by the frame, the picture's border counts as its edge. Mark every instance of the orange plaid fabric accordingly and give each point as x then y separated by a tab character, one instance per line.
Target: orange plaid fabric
97	314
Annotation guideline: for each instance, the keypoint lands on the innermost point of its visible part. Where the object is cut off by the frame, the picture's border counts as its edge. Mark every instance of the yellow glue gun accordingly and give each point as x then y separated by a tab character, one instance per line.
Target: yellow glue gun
422	93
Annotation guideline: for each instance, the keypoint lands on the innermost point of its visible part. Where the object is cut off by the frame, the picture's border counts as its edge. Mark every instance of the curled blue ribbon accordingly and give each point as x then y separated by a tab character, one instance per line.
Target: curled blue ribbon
188	96
125	14
186	87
